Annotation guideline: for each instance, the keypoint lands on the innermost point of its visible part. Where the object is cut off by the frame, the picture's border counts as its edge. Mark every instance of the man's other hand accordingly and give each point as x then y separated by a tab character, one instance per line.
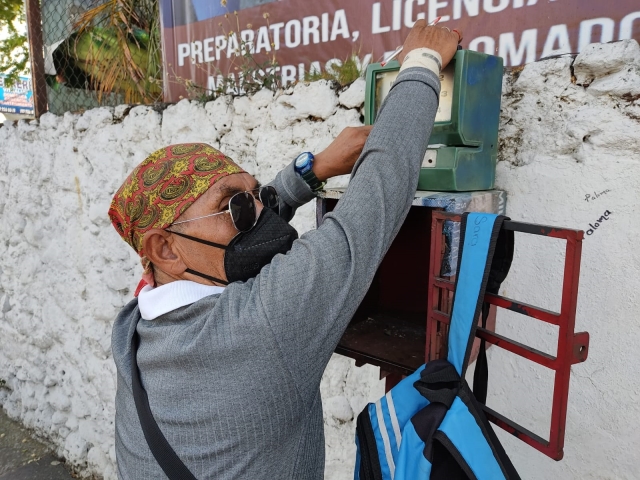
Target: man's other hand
441	39
340	157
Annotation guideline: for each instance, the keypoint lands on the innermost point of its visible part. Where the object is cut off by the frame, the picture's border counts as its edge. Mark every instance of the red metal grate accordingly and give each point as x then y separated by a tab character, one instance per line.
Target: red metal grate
572	347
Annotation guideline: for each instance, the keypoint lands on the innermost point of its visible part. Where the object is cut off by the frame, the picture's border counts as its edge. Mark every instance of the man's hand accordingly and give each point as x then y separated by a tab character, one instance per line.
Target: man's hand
440	39
340	157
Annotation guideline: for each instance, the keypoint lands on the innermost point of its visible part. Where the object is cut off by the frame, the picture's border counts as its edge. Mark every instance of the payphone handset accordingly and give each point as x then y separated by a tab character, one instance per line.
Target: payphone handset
463	148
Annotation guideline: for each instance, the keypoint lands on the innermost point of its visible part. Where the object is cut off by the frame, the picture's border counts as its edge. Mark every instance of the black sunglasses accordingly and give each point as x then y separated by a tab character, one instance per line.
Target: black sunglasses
242	207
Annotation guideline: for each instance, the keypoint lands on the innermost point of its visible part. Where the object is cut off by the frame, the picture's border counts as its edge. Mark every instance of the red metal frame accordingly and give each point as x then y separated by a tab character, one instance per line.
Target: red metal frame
572	347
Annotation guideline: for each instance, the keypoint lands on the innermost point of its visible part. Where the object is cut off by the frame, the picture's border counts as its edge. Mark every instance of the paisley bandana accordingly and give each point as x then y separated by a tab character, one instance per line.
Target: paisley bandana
162	187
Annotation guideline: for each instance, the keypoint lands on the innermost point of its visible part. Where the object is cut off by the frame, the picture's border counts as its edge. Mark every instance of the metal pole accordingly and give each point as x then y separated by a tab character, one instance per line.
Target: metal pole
36	51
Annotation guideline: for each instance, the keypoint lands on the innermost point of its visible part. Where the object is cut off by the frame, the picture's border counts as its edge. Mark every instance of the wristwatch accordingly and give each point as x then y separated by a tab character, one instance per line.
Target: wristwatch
303	166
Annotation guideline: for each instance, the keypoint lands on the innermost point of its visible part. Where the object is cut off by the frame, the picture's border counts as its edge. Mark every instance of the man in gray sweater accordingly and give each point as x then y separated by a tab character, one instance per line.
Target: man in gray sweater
238	318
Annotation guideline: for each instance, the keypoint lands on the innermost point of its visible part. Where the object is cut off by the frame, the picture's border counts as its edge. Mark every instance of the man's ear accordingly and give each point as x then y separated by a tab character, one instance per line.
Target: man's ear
159	248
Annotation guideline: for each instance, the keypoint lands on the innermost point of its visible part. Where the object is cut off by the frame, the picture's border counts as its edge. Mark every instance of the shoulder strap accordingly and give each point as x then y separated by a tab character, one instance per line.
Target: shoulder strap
502	259
481	372
478	239
160	448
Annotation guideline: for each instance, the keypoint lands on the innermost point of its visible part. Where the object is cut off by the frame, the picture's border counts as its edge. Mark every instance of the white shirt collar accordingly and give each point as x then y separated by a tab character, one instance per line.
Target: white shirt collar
154	302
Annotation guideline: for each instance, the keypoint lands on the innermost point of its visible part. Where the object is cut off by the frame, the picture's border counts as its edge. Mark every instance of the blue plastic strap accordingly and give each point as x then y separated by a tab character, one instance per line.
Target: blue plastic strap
471	271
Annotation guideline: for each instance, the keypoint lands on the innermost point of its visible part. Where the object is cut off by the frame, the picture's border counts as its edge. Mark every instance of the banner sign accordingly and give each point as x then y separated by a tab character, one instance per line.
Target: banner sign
202	38
17	99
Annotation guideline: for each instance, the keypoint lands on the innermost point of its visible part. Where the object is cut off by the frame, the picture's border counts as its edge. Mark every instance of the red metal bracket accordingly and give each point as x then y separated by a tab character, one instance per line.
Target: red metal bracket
572	347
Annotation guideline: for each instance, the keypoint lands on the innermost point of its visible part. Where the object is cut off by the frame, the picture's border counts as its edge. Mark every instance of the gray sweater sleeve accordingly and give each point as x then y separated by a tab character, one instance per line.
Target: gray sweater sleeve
292	190
308	296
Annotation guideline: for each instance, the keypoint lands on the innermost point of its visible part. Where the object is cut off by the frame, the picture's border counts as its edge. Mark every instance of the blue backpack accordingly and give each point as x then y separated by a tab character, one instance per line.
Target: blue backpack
431	425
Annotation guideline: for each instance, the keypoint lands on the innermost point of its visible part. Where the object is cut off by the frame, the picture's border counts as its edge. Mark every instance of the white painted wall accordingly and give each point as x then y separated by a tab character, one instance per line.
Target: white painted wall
562	142
64	272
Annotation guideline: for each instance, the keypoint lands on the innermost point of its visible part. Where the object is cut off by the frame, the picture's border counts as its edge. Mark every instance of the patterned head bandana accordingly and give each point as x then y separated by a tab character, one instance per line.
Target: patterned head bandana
163	186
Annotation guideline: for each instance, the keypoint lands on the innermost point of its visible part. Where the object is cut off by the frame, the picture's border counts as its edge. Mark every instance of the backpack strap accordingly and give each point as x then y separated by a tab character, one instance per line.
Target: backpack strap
478	240
502	259
481	371
439	382
408	434
166	457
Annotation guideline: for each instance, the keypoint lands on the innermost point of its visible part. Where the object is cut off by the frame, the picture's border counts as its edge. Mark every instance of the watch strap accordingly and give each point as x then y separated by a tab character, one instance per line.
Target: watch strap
314	183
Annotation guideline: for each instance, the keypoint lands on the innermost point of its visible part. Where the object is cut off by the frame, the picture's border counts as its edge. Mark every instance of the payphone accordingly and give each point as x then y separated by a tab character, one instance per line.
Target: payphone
463	148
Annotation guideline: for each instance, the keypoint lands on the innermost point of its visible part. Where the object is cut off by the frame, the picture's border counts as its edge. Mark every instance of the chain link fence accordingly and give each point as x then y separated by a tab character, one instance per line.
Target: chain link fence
94	53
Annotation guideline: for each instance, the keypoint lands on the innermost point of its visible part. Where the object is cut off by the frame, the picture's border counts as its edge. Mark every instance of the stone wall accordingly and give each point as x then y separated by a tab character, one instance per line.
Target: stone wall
570	155
568	130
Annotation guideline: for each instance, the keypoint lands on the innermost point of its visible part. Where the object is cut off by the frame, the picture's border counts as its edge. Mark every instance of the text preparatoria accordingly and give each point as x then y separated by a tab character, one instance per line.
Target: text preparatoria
314	36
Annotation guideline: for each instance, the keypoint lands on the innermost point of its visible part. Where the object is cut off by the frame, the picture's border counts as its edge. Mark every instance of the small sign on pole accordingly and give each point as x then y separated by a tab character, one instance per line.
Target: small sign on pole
17	99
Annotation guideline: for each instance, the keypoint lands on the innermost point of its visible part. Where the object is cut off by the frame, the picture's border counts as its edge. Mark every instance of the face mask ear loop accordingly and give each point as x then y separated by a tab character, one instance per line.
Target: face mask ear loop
205	242
208	277
199	240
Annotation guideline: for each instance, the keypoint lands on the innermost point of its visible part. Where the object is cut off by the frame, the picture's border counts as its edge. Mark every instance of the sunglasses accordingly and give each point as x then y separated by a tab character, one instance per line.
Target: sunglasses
242	207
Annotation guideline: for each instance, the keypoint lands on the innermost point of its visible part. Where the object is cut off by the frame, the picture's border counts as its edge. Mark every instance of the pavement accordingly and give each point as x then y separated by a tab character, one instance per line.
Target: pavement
23	458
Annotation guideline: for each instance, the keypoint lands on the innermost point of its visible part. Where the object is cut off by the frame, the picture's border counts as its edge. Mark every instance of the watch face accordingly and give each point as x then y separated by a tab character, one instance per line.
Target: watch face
303	160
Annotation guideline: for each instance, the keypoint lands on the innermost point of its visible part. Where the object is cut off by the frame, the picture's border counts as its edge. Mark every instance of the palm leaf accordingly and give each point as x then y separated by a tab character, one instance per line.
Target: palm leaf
116	46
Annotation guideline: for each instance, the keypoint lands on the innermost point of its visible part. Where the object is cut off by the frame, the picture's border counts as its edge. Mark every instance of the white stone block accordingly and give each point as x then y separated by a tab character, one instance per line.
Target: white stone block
625	83
221	112
49	382
315	100
76	447
24	127
120	110
141	125
187	122
353	97
341	120
59	418
72	423
97	459
95	118
339	408
546	76
600	59
262	98
248	114
48	121
59	399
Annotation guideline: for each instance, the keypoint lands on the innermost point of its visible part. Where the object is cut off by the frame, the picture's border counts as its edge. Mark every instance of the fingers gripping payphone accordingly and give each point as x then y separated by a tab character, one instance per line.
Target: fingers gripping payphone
463	148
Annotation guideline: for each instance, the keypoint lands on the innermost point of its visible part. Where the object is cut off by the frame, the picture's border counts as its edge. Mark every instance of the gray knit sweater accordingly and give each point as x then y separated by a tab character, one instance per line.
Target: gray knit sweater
234	379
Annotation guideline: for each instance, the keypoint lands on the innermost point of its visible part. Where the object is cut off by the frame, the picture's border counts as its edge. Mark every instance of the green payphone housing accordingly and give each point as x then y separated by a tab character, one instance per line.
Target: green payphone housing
463	148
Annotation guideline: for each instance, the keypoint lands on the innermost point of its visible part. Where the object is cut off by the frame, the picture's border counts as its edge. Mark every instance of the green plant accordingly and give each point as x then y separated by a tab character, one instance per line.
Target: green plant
117	47
14	50
344	73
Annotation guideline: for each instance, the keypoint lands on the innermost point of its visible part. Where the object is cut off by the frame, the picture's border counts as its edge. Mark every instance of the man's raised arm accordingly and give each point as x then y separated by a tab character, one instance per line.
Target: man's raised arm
309	295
